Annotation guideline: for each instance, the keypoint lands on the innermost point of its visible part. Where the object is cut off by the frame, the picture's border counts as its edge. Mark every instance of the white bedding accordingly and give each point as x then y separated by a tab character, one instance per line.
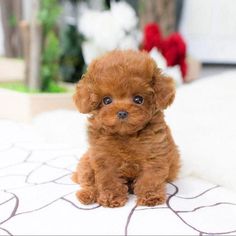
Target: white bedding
203	122
36	161
37	197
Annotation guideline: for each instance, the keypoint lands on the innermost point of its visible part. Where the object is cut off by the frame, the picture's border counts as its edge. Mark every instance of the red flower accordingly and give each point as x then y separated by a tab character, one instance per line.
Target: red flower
174	50
152	37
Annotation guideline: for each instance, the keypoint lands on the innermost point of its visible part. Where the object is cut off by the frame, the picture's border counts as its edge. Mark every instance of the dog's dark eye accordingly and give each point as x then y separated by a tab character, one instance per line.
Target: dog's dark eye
138	99
107	100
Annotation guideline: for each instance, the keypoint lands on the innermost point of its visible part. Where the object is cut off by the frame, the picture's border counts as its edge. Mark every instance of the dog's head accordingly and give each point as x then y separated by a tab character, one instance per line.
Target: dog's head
123	90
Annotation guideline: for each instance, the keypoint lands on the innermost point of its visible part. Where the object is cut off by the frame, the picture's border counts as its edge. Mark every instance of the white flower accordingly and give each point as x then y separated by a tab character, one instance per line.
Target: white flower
101	28
158	58
124	15
108	30
88	23
110	34
173	71
128	42
90	51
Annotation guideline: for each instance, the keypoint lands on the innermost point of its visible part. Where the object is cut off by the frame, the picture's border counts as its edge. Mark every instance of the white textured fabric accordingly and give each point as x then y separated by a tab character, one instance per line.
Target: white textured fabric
203	122
37	196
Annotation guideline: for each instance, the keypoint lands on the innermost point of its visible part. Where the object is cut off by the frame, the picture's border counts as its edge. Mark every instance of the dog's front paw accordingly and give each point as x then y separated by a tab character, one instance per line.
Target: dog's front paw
86	196
109	199
151	199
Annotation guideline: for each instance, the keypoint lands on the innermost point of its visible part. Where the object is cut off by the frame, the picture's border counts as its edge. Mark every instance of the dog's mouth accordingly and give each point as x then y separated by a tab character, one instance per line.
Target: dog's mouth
124	127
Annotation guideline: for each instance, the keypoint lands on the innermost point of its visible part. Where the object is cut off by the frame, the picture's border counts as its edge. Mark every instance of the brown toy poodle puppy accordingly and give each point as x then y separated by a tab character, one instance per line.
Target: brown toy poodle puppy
131	147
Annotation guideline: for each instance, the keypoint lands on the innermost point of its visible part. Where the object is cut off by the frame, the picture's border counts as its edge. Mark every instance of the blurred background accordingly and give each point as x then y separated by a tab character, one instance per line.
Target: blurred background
46	45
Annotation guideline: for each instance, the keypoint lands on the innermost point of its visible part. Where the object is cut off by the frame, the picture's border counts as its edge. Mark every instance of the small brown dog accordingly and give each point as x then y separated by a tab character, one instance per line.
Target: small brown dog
131	147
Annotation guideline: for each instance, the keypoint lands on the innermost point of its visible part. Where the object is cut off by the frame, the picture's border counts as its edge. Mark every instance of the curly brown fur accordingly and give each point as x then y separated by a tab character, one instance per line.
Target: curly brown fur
137	152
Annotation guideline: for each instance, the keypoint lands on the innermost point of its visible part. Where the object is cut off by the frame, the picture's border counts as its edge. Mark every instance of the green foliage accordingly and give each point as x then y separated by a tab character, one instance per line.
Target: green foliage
17	86
50	60
21	87
49	13
51	47
55	88
71	62
12	21
48	16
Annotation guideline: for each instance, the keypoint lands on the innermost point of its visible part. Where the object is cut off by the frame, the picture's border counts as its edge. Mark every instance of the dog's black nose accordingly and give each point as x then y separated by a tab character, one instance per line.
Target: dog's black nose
122	114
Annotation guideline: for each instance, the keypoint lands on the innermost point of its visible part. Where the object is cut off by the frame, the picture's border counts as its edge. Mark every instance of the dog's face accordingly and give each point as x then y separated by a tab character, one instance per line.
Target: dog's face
123	90
125	103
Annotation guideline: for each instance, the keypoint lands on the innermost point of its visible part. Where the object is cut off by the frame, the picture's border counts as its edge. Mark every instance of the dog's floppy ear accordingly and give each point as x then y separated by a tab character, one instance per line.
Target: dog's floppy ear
164	88
85	99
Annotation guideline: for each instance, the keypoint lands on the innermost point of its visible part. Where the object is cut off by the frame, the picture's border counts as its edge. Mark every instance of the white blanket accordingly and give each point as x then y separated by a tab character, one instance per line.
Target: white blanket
38	197
203	122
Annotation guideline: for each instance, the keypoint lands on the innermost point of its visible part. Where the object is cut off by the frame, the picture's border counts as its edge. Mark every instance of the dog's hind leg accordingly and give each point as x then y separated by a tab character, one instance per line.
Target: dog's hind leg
84	176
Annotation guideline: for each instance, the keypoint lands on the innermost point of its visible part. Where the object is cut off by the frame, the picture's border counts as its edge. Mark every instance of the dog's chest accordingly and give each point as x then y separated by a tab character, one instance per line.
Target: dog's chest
129	168
130	156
